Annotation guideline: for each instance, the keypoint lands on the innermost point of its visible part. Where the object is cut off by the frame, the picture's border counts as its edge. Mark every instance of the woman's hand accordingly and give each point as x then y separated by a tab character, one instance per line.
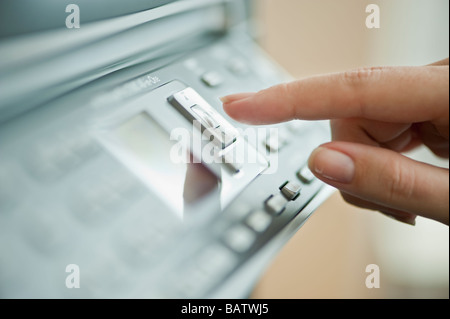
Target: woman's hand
376	114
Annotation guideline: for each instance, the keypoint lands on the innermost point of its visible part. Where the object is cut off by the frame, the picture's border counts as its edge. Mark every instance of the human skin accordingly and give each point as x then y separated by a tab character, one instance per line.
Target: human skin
376	114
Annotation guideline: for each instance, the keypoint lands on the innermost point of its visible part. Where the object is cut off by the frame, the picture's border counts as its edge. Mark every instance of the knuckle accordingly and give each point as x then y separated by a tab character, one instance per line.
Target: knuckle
357	82
286	93
357	77
399	182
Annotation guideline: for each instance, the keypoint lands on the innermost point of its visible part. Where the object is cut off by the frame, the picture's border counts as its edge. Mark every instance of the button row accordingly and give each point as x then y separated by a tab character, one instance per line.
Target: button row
241	238
251	222
214	79
276	142
276	204
290	191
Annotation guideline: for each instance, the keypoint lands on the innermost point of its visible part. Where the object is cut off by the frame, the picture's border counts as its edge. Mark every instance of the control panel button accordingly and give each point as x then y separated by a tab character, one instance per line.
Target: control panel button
238	67
276	204
305	175
291	190
221	137
239	238
259	221
238	211
216	260
214	126
184	99
232	163
207	119
296	126
275	142
212	79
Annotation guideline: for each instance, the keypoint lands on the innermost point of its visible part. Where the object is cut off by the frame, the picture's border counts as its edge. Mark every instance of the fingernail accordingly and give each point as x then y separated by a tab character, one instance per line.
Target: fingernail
225	99
332	165
235	97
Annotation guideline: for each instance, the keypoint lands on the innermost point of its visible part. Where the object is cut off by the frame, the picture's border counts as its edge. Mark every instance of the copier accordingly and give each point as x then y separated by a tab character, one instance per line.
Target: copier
120	174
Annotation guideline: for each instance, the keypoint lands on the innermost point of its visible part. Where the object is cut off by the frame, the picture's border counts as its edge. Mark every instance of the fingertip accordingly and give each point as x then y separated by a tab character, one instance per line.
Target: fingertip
233	110
224	99
234	105
242	108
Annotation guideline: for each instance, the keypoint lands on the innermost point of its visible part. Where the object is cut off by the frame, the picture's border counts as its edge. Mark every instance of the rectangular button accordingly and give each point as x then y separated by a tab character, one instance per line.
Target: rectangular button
212	79
233	164
259	221
296	126
238	67
214	126
240	239
206	118
276	204
291	190
216	260
305	175
275	143
185	99
223	138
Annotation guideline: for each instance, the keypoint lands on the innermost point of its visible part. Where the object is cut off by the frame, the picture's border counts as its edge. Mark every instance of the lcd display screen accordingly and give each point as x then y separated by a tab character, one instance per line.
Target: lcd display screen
145	148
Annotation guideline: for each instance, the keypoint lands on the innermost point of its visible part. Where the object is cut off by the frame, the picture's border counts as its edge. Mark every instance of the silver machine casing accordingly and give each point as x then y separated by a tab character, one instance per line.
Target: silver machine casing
71	194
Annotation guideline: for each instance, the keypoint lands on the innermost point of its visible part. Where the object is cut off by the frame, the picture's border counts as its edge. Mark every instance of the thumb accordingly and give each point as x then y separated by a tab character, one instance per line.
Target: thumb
384	178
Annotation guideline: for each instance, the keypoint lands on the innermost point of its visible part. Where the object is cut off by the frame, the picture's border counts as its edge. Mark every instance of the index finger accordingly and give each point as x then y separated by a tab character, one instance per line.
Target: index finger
389	94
